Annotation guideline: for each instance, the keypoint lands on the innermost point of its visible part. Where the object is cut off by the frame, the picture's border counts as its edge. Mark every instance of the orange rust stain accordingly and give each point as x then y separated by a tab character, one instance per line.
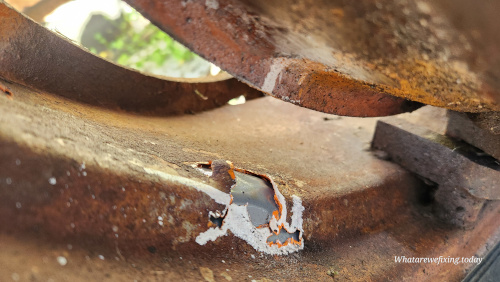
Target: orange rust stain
6	90
287	242
280	207
231	173
265	225
337	12
276	214
231	170
409	79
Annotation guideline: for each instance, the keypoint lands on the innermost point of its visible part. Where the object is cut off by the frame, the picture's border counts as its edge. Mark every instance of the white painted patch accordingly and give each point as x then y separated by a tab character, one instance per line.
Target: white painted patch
270	81
297	211
210	235
237	219
238	222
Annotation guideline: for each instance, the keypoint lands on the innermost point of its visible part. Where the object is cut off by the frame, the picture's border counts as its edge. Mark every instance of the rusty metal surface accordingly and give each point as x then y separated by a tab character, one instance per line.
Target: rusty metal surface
441	159
464	178
461	127
347	58
457	206
76	174
36	57
487	121
131	143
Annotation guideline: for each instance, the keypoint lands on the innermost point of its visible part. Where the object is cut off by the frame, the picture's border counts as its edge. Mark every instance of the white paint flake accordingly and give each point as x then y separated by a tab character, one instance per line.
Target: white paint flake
237	220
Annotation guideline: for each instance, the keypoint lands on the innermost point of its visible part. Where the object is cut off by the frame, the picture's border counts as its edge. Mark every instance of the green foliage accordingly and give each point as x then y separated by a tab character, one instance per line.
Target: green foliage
134	49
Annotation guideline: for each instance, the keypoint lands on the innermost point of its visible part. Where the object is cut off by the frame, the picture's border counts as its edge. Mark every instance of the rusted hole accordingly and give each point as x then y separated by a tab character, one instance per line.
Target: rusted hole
256	210
258	195
248	189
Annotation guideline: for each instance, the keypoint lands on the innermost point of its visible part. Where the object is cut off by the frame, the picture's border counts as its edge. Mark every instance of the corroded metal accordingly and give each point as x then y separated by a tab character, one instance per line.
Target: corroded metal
256	212
347	58
117	193
441	159
34	56
462	127
463	178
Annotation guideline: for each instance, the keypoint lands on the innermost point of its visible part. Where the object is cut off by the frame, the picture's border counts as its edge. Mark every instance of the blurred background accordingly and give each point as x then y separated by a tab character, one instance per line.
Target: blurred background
113	30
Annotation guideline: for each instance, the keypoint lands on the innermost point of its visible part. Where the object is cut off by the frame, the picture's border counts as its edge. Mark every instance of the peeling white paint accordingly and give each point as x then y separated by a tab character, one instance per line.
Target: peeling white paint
238	222
237	219
297	211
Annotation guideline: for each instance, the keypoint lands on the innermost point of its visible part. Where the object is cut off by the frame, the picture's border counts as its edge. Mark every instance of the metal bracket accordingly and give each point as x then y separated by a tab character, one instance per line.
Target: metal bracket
466	177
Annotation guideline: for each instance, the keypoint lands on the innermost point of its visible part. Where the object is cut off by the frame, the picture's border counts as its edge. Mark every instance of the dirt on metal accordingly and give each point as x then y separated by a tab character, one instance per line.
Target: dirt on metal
335	56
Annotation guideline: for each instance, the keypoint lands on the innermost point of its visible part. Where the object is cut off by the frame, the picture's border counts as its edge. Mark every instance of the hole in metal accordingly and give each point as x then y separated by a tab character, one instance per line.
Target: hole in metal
258	195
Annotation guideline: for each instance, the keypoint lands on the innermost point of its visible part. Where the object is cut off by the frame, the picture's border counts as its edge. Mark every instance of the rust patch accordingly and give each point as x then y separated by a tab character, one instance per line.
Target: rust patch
355	220
28	56
356	57
6	90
